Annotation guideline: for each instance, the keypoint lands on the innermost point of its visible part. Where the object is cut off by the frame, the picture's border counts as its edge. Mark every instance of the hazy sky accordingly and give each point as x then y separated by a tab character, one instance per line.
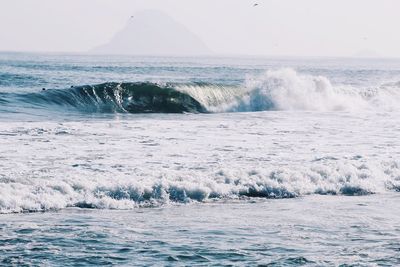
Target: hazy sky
274	27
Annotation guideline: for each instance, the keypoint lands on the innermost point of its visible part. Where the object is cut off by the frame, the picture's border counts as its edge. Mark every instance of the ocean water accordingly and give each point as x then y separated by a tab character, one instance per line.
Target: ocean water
199	161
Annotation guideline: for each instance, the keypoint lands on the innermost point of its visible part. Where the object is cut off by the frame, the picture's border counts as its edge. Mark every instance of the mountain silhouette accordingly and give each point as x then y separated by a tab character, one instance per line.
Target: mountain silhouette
152	32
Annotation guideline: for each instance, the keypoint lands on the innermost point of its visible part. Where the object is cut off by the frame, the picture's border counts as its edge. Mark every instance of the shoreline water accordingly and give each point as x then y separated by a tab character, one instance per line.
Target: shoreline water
312	230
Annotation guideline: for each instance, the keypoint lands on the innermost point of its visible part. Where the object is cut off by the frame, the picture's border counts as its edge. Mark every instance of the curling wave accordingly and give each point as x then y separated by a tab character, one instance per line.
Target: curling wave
118	97
283	89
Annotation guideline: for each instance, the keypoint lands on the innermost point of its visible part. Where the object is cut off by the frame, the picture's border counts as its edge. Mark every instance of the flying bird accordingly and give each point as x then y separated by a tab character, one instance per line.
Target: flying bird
256	4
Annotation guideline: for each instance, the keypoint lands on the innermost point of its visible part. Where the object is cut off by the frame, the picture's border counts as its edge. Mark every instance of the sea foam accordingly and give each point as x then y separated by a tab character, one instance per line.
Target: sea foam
153	161
286	89
113	192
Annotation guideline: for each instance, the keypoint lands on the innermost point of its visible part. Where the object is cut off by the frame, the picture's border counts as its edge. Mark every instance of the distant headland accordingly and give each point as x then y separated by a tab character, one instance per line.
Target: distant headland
152	32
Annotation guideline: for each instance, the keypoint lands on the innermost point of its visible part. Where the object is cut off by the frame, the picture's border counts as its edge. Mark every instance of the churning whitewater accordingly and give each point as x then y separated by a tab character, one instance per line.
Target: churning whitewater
159	160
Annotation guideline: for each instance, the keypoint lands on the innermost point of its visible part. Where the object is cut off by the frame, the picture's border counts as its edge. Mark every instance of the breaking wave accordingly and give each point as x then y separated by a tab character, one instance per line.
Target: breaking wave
332	176
283	89
117	97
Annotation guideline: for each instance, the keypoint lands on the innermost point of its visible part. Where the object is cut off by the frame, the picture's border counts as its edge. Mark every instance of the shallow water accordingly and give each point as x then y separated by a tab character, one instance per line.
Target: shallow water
312	231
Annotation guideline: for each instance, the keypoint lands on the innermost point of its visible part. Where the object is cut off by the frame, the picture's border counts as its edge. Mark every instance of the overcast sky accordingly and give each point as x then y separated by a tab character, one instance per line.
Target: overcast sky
274	27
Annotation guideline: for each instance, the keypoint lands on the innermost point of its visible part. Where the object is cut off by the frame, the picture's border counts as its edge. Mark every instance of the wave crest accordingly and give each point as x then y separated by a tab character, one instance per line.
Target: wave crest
283	89
115	97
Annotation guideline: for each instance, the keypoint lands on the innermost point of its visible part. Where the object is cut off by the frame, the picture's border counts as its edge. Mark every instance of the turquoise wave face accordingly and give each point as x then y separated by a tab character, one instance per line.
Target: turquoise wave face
111	98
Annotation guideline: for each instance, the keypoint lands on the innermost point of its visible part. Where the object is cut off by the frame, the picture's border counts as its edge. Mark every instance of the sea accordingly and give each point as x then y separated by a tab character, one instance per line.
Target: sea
160	161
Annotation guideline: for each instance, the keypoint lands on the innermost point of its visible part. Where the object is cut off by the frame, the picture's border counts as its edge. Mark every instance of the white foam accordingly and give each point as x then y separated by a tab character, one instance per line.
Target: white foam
286	89
153	160
113	192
